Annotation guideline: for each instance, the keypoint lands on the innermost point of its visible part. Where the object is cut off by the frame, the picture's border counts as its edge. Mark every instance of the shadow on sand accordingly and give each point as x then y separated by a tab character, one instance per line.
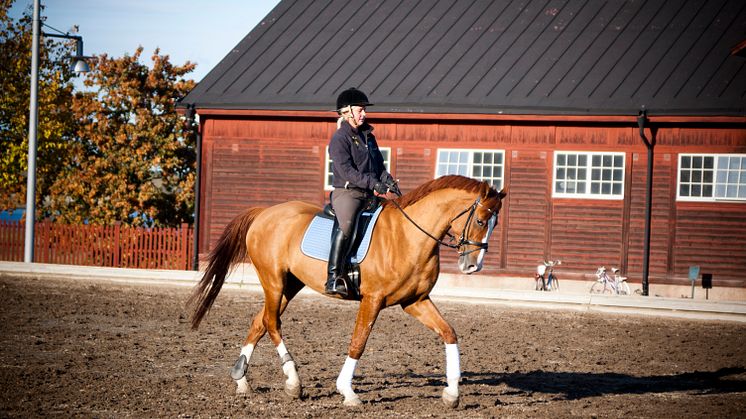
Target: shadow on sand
575	385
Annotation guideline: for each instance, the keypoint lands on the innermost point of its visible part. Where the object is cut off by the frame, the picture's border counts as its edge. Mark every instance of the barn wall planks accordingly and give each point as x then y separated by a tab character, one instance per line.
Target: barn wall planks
662	219
529	209
260	161
713	239
587	236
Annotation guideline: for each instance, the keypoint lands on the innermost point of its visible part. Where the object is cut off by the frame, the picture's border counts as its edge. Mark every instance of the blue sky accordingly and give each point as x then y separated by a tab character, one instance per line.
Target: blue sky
187	30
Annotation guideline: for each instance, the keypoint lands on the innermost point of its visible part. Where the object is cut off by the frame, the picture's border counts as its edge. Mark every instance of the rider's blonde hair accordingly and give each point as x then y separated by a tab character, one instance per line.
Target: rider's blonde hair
341	112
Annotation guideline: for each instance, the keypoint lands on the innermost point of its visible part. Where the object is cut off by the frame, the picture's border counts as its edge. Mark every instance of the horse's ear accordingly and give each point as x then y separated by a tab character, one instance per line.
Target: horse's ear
503	193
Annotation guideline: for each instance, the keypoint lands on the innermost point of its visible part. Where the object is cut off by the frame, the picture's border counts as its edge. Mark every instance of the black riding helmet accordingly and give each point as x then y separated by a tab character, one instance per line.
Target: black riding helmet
352	97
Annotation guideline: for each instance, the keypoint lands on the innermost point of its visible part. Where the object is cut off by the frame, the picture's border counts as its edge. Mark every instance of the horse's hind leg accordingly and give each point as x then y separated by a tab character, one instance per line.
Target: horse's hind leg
257	330
275	303
239	370
426	312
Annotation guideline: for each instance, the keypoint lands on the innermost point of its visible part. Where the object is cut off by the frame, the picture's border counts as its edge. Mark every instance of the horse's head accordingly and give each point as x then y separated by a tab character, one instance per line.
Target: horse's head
471	226
476	224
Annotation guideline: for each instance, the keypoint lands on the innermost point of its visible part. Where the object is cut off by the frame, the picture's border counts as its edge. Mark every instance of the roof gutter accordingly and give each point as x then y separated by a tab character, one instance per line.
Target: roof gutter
622	118
190	114
650	144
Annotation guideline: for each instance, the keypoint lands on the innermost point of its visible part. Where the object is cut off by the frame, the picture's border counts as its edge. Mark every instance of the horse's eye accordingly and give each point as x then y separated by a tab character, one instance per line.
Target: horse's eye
480	223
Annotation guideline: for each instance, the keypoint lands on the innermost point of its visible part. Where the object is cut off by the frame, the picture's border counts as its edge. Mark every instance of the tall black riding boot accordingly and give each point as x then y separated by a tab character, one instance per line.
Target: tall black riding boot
336	282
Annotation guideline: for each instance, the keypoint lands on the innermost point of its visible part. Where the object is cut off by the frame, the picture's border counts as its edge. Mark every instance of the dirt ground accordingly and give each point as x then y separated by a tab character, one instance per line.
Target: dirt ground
101	349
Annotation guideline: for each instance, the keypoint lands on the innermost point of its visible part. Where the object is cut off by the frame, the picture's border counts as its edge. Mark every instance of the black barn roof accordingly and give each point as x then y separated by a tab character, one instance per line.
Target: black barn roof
563	57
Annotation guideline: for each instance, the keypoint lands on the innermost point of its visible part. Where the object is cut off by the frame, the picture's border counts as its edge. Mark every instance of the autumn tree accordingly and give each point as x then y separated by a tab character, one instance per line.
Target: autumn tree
115	152
132	158
55	121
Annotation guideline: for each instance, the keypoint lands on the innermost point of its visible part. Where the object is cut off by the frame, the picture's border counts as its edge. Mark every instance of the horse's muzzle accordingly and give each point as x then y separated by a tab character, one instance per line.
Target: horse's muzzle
469	264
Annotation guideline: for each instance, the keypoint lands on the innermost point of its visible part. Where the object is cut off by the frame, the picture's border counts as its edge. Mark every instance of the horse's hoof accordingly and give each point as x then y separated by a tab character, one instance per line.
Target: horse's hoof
242	386
294	390
352	401
449	399
239	369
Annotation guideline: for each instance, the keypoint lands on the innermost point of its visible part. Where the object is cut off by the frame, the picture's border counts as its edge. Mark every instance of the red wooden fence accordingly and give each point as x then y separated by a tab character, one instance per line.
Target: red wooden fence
112	246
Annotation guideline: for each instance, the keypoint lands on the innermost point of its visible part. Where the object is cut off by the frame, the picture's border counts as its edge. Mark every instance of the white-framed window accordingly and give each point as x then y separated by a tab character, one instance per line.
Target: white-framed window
590	175
485	165
711	177
329	175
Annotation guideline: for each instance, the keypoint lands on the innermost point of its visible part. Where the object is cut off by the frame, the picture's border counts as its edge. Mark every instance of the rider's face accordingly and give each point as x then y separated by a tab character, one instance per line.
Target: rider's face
355	116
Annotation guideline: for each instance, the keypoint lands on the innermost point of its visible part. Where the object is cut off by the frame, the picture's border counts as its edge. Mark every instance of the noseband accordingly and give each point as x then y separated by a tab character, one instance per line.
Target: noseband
462	240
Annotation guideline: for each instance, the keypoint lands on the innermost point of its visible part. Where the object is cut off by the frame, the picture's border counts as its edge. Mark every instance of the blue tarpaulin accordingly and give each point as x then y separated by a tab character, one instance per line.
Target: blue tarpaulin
15	215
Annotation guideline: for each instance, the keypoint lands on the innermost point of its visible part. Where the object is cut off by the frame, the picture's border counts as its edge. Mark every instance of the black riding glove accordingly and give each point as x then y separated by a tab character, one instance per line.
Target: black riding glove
380	188
390	183
393	186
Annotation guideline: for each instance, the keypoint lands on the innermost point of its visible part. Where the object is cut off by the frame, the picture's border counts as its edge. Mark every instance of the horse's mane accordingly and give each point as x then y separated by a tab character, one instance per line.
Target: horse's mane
446	182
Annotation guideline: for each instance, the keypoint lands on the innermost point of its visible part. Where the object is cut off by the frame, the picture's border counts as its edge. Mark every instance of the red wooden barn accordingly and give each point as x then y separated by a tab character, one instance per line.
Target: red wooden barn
539	97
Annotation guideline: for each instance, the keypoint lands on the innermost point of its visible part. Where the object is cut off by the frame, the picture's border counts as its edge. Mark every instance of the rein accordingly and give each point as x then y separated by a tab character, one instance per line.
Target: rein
462	240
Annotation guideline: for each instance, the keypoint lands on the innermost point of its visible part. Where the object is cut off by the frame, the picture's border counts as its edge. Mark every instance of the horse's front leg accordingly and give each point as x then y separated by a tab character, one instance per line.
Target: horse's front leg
426	312
366	318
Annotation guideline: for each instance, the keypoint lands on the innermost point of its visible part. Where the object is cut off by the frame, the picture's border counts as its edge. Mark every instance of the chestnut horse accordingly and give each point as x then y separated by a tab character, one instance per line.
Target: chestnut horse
401	267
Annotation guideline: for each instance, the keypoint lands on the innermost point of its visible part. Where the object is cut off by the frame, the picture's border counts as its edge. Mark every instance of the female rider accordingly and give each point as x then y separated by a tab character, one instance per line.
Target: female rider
359	174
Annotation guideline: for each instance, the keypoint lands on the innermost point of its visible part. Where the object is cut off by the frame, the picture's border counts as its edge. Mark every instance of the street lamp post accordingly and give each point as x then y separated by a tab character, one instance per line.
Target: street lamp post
28	249
80	66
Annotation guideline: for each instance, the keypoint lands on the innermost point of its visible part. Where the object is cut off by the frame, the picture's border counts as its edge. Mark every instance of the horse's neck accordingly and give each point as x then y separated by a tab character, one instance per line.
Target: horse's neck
434	213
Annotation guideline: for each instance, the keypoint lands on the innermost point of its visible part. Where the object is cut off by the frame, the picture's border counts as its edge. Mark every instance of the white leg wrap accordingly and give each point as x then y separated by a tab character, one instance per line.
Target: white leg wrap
453	374
242	386
288	367
344	382
291	373
281	349
453	367
247	351
243	383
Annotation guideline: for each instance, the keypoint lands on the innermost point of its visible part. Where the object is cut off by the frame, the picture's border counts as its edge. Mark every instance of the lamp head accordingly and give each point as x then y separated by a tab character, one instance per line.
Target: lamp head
81	66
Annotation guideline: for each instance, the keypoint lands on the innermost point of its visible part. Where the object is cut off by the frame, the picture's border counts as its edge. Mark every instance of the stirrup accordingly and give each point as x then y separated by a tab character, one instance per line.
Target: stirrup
341	288
333	287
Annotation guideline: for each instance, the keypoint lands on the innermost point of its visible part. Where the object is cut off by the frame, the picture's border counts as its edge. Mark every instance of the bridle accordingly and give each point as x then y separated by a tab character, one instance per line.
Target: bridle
462	240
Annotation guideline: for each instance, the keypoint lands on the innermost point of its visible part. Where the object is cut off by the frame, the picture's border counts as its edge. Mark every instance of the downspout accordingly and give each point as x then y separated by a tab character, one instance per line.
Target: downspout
190	114
641	120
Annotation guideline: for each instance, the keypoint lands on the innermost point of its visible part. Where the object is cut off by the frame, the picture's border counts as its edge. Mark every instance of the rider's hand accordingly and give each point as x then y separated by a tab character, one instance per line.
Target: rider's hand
392	185
387	195
380	189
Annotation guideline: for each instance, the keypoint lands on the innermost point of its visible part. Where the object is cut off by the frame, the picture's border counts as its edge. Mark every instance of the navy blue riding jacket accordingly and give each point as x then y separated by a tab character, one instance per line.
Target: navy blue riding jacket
357	161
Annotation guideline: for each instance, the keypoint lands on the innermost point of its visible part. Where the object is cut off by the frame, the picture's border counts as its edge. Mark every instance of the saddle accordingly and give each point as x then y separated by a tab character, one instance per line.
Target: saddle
316	241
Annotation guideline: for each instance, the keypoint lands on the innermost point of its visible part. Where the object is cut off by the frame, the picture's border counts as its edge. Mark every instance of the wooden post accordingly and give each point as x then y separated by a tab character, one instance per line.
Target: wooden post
184	247
117	248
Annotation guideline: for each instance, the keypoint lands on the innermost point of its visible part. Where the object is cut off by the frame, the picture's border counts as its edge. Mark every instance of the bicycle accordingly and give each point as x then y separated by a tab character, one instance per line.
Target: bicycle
551	283
606	285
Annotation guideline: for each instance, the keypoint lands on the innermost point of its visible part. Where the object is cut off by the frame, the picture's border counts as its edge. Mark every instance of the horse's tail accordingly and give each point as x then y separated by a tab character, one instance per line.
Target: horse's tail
229	251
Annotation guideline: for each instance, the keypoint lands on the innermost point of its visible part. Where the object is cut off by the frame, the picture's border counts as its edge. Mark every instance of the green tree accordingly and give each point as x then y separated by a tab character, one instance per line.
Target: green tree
55	120
133	156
